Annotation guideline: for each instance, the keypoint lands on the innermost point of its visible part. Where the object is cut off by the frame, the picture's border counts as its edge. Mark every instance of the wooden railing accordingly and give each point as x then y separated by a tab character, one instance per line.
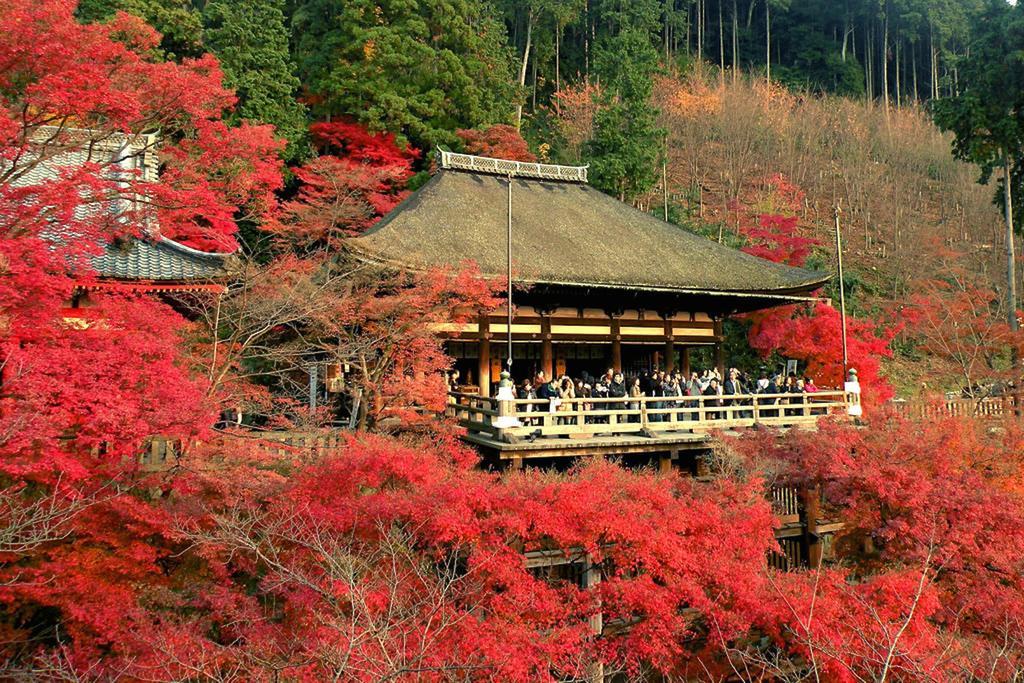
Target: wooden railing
998	407
162	453
509	420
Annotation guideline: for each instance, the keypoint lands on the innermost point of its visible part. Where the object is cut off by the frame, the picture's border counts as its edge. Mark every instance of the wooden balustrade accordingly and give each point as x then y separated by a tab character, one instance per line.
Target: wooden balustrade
161	453
641	416
993	408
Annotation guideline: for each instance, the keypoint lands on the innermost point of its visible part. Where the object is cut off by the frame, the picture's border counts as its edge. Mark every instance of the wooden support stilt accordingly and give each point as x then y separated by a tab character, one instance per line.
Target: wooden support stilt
812	509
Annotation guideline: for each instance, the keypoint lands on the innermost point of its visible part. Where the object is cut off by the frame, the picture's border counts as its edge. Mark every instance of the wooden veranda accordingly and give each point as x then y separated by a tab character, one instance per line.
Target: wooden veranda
514	430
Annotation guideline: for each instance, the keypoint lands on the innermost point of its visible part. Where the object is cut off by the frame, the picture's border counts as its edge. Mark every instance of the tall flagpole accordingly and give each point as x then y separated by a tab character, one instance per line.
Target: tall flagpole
508	254
842	290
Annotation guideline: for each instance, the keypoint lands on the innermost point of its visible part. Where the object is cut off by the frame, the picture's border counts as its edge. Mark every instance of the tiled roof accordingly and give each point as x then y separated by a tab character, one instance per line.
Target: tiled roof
158	259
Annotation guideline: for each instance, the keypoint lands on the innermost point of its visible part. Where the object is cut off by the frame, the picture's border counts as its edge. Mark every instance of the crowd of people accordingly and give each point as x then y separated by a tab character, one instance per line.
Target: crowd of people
665	385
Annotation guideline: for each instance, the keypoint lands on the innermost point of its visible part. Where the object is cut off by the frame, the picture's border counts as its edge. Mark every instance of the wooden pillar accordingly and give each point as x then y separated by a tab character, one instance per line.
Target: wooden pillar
719	349
516	462
484	361
667	461
591	580
670	355
616	346
547	362
812	507
684	361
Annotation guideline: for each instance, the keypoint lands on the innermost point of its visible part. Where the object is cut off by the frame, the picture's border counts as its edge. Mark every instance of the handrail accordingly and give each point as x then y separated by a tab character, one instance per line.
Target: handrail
987	407
508	420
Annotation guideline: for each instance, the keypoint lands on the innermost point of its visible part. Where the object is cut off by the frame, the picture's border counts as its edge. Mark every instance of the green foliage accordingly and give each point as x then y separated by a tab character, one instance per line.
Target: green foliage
626	147
418	68
250	38
627	143
986	116
177	20
817	66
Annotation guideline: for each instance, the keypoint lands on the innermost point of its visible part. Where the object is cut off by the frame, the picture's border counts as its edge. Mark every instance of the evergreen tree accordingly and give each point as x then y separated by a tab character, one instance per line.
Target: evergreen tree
627	143
177	21
418	68
987	114
250	39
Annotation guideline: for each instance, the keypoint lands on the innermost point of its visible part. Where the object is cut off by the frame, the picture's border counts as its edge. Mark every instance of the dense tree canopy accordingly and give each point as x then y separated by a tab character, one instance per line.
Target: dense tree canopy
418	69
178	21
250	39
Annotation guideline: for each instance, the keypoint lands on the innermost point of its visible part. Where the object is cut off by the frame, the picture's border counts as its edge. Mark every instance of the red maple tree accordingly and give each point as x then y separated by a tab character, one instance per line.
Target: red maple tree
930	583
500	141
84	541
358	177
809	333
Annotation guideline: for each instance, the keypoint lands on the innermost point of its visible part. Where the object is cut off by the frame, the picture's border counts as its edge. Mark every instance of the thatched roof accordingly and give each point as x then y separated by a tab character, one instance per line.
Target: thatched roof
565	233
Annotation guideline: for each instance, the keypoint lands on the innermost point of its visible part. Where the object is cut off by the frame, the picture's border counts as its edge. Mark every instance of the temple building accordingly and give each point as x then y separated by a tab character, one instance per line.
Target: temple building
147	263
598	283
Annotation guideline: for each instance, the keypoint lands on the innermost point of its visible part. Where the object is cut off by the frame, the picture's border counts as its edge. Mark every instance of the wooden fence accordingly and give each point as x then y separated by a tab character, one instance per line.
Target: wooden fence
996	408
161	452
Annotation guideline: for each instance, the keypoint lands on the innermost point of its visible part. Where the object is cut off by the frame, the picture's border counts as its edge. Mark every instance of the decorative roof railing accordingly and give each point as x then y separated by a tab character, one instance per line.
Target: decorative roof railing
507	167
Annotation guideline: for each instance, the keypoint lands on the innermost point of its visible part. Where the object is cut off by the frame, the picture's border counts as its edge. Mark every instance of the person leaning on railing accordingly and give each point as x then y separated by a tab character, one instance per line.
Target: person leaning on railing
693	389
733	387
566	394
713	390
583	391
527	393
796	386
634	393
617	389
670	390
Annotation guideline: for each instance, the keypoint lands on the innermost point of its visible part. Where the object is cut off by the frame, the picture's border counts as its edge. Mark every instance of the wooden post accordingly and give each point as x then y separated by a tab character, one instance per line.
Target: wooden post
591	579
547	362
719	349
670	355
684	361
506	410
484	361
812	507
616	354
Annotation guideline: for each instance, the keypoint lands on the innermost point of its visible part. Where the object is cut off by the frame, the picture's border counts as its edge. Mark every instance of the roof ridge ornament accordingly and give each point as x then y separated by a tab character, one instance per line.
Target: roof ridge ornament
510	168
